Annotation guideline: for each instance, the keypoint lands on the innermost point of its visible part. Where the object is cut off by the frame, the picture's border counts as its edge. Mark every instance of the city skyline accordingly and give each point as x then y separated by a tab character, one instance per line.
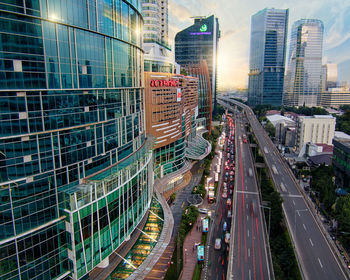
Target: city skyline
235	16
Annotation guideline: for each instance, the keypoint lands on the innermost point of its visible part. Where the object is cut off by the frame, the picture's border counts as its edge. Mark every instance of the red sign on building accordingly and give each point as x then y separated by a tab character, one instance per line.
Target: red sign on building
164	83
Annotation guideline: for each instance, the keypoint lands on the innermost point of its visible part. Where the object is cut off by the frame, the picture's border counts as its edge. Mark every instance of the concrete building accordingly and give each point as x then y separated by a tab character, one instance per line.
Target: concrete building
341	162
314	129
285	129
171	113
335	97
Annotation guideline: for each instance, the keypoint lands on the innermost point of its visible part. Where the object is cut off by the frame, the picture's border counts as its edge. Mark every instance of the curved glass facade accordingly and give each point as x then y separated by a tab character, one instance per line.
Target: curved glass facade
75	166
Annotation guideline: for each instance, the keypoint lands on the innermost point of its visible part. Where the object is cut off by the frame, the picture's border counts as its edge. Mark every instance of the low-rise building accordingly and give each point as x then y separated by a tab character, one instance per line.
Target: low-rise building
341	161
314	129
335	97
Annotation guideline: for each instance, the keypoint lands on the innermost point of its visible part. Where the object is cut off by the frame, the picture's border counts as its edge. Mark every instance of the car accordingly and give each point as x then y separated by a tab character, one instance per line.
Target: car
224	226
250	172
231	192
203	210
224	194
227	237
217	244
305	179
226	173
229	214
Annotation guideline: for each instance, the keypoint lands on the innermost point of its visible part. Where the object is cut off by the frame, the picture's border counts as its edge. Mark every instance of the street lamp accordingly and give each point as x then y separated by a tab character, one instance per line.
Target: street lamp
295	219
269	208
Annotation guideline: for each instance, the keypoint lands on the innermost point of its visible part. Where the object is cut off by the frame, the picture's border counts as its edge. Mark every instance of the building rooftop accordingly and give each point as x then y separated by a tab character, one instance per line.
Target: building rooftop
274	119
339	135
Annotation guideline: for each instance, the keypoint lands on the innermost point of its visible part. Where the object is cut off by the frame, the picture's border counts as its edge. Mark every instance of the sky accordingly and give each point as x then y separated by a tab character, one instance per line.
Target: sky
234	20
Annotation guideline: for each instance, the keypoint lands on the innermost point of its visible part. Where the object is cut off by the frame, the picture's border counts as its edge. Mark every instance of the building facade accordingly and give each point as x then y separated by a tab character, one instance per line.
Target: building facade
171	110
318	129
329	76
158	56
341	162
200	42
204	90
335	97
303	83
76	166
267	56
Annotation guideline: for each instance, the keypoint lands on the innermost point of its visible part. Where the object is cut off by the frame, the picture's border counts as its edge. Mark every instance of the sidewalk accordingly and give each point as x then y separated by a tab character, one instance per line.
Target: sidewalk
189	249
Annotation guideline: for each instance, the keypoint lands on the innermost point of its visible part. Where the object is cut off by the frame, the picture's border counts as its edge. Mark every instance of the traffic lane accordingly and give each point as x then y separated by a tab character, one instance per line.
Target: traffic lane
319	260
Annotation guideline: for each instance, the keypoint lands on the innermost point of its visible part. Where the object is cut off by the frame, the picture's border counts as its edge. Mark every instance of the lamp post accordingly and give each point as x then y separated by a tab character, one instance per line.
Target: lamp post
295	219
269	208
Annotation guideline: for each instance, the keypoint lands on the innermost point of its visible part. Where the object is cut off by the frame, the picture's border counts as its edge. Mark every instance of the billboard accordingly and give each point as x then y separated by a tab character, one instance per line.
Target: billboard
178	94
200	253
205	224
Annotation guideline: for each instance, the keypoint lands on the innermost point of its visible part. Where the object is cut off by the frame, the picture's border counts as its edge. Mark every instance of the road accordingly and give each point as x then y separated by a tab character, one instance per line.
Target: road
216	263
249	258
315	255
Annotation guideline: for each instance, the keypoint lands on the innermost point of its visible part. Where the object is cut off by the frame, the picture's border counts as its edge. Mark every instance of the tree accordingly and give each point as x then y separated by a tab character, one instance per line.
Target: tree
342	213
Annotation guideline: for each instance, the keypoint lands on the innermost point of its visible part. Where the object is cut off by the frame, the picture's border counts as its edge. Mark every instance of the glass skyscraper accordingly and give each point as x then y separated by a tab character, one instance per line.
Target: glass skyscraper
267	56
303	81
75	164
200	42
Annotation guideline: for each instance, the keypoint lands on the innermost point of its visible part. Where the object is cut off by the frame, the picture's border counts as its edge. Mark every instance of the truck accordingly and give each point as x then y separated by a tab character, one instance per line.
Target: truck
211	193
218	168
216	177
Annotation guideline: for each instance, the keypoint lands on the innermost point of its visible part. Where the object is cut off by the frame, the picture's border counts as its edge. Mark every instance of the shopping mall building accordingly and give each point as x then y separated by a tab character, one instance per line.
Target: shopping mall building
75	163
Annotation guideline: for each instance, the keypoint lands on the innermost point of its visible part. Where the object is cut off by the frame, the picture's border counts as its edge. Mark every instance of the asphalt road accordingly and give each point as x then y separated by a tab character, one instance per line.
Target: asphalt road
317	259
249	258
216	263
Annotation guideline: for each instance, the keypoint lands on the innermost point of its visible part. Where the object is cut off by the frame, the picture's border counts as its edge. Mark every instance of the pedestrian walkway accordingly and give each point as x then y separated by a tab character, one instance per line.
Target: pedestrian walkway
190	249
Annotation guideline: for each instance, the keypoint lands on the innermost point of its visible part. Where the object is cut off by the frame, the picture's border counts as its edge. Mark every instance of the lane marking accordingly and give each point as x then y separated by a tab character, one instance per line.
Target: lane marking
247	217
294	202
248	252
248	232
304	226
291	195
298	213
183	203
312	244
245	192
320	262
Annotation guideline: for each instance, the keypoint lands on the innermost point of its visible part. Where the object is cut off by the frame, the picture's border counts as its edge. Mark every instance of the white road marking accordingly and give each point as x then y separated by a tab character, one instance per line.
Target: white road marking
248	232
304	226
250	275
298	213
294	202
312	244
247	205
247	217
248	252
320	262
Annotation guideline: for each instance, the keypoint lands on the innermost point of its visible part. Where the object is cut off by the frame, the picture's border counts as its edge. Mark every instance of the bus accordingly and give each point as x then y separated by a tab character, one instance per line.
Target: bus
200	253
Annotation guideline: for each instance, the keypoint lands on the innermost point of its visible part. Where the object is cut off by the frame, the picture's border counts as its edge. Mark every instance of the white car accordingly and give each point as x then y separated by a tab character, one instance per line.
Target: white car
224	194
227	238
217	244
229	214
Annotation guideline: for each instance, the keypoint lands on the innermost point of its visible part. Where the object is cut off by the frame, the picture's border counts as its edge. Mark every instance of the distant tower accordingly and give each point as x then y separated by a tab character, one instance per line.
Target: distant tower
200	42
329	76
267	55
303	77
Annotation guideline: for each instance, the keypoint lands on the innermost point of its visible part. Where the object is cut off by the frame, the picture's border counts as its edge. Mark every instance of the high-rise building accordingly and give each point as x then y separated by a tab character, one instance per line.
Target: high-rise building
200	42
329	76
76	166
303	83
204	90
158	55
267	56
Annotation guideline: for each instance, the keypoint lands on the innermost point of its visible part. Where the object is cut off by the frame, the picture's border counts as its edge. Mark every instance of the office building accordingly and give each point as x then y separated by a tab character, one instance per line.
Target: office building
204	90
267	55
76	166
303	83
318	129
200	42
335	97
